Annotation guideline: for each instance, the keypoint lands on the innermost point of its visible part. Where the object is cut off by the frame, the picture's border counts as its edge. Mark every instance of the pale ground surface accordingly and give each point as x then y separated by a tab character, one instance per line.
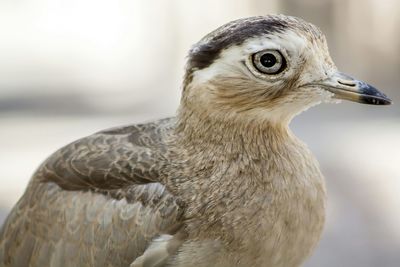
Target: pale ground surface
359	158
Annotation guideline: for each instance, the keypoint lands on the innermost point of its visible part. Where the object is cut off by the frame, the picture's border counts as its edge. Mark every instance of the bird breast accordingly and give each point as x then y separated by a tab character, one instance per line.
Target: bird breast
279	226
274	219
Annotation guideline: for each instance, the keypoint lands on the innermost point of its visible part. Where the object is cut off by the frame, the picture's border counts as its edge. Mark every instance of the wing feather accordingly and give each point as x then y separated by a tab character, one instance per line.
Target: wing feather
96	202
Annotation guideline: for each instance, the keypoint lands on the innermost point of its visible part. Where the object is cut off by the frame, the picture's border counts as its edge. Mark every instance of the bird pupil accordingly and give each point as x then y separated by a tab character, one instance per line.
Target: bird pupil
268	60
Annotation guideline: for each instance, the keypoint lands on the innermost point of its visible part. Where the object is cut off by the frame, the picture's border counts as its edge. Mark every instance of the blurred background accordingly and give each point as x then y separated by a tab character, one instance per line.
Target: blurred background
69	68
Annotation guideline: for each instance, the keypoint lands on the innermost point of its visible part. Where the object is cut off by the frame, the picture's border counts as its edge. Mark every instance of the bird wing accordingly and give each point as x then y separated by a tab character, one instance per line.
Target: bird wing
96	202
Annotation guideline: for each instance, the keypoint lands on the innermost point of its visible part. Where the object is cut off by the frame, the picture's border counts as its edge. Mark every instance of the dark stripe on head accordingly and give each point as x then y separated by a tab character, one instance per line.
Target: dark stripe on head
208	49
205	52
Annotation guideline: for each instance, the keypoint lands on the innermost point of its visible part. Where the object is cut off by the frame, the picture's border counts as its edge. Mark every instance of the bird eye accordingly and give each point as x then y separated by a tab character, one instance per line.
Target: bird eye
269	61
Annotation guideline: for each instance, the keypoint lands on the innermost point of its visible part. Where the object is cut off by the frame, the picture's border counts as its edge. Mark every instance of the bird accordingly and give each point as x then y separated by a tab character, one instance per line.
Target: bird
223	183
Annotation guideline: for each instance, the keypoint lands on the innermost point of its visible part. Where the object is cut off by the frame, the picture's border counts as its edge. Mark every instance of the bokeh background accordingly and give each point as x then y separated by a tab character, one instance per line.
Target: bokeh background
69	68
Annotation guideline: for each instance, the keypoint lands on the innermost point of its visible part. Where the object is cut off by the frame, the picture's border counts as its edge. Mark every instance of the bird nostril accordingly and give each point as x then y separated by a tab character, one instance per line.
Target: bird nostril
347	83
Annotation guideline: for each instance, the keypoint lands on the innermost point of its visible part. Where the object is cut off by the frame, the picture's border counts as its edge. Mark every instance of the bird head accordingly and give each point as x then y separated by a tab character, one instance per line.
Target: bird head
269	67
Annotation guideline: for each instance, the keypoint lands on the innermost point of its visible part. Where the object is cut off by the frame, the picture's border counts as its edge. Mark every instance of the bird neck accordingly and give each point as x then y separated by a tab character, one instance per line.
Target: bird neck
217	133
214	158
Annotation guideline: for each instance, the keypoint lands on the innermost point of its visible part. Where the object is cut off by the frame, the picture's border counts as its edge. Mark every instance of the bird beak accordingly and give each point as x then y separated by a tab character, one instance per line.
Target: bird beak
348	88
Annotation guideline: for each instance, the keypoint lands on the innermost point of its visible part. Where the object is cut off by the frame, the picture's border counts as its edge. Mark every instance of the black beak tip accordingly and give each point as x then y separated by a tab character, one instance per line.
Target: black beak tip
371	95
374	100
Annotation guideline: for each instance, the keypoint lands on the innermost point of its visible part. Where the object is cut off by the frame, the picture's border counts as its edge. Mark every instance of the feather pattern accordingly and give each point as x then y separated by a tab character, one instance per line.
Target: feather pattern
97	201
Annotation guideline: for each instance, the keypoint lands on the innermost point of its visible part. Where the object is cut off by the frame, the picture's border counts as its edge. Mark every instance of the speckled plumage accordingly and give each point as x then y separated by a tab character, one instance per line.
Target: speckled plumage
95	202
225	183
